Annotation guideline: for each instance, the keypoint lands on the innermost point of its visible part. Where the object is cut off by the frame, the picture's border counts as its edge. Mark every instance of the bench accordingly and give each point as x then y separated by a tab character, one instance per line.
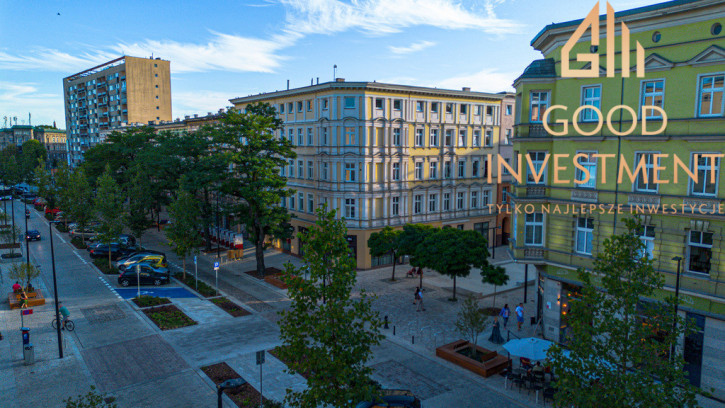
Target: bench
491	362
34	299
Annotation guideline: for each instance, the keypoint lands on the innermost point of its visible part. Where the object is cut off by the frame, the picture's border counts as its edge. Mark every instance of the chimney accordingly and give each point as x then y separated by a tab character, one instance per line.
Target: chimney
312	81
196	115
318	80
288	84
339	79
466	89
187	116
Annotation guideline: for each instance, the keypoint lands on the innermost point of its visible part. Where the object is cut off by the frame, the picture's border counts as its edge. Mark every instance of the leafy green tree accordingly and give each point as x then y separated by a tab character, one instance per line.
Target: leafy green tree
411	241
618	344
453	252
62	179
496	276
255	153
77	196
47	187
9	236
92	399
326	332
24	272
139	204
386	242
119	152
32	152
472	321
108	207
183	232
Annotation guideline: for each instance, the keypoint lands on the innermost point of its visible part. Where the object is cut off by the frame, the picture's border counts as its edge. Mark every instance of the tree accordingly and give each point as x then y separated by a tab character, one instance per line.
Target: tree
183	232
77	196
63	177
139	204
472	321
619	343
496	276
32	152
24	272
91	400
47	187
9	236
386	242
255	153
411	241
108	208
326	332
453	252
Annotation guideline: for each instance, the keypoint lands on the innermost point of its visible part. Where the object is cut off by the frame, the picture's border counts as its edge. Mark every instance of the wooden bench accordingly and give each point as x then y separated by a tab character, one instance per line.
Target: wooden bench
34	299
491	362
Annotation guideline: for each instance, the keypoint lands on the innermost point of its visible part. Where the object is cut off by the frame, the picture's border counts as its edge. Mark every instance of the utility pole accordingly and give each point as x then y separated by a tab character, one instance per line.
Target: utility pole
55	291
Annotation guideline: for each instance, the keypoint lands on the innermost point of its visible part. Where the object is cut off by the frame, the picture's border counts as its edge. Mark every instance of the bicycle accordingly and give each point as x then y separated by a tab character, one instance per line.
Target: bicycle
69	325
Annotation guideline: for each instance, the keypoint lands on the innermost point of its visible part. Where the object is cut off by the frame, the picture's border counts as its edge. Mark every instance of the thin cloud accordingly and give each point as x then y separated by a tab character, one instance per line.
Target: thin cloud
25	96
199	102
415	47
487	80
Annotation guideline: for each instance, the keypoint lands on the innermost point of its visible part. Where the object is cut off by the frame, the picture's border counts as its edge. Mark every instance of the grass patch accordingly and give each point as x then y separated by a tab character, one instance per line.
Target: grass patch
146	301
78	243
102	264
244	396
204	289
230	307
168	317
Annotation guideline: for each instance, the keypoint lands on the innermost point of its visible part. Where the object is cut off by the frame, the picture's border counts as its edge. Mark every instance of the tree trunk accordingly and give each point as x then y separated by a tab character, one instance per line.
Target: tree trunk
393	277
109	257
494	295
183	263
420	285
207	228
454	287
259	253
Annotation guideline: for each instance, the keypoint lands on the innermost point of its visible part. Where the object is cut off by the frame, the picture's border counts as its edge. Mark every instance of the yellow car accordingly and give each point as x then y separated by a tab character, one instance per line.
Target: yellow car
157	260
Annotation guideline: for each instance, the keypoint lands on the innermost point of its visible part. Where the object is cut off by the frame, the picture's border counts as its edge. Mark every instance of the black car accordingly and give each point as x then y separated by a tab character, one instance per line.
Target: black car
147	274
117	251
32	235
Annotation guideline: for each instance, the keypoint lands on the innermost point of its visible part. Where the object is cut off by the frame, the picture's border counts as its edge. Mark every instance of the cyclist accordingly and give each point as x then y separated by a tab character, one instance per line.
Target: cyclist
66	314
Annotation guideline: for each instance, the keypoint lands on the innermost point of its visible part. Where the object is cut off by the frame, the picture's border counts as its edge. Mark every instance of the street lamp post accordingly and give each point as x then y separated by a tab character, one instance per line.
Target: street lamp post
27	251
233	383
55	291
677	303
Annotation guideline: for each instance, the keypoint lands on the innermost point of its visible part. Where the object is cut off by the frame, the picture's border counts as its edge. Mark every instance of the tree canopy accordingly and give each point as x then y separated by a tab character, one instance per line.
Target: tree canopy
384	242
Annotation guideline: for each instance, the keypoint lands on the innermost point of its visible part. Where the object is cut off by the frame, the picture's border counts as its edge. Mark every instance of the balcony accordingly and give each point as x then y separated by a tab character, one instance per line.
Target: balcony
535	191
534	253
643	199
537	130
588	196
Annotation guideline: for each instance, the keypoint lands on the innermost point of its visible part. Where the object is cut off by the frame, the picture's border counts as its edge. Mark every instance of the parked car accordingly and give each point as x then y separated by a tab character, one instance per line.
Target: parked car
149	258
32	235
147	275
123	239
87	233
53	211
117	251
6	196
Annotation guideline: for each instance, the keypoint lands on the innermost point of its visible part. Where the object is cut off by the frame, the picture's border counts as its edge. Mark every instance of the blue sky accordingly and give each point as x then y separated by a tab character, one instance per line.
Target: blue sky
224	49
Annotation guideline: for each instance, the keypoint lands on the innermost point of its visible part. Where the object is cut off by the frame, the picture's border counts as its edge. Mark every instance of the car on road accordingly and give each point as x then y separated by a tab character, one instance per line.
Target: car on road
147	275
117	251
32	235
5	197
155	259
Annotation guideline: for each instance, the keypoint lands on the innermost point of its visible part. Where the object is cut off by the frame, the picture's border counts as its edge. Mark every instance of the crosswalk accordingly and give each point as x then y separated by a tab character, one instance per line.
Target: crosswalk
108	285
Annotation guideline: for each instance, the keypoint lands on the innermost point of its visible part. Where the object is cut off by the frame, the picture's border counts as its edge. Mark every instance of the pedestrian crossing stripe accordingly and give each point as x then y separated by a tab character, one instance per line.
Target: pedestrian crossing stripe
108	285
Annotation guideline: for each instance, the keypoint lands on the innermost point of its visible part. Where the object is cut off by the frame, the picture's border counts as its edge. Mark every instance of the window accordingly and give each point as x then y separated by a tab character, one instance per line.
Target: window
417	204
350	136
291	168
395	208
396	137
300	169
488	138
325	103
534	229
474	168
711	95
476	138
310	170
460	200
433	137
396	171
434	107
281	108
325	168
504	195
461	169
591	96
474	199
309	137
397	104
507	137
418	137
447	169
461	138
310	203
539	104
324	136
379	103
463	109
299	106
489	110
653	94
647	236
349	102
350	208
508	110
419	106
645	184
590	164
704	185
309	106
446	201
283	202
156	75
479	110
419	170
537	159
433	173
290	107
449	108
432	202
448	141
350	171
486	198
300	137
584	235
301	201
700	251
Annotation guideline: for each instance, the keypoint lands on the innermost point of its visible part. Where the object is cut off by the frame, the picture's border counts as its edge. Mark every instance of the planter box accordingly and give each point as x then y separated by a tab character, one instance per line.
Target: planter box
34	299
276	280
491	362
9	246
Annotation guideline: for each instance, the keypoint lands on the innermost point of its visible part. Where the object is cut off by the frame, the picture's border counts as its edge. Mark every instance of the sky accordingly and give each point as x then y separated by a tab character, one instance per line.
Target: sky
225	49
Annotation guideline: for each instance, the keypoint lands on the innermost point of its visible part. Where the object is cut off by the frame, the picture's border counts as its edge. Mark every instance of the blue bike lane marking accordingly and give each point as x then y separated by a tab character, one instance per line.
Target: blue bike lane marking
130	293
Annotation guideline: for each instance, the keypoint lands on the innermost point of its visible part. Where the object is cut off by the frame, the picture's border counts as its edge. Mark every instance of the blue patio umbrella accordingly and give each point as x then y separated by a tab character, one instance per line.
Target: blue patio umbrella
531	347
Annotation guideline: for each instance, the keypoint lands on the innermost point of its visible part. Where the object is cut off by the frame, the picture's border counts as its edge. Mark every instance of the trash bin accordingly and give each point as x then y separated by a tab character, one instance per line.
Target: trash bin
29	354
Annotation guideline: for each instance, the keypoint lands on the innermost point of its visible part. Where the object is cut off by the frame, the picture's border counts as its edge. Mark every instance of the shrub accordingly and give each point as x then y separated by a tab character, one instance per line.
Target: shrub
78	243
102	264
146	301
203	289
61	227
91	400
49	216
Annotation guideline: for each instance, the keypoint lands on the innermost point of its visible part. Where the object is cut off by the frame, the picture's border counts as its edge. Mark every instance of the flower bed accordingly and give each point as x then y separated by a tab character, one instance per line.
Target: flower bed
168	317
230	307
102	265
204	289
244	396
78	243
146	301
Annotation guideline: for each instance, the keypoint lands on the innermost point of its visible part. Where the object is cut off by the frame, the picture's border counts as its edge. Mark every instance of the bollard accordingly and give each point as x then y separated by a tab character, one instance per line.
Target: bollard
386	322
393	330
413	340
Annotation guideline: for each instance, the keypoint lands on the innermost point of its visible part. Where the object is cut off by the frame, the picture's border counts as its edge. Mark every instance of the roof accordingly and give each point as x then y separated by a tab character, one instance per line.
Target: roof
541	68
370	86
603	17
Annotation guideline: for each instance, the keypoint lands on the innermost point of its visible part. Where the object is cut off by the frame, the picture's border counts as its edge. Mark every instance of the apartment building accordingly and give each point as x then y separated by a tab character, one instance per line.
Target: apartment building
122	91
684	73
384	154
53	139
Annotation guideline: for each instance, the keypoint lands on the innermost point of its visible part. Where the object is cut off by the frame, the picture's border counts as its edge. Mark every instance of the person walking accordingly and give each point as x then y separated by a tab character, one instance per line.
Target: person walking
415	296
23	300
65	313
505	312
420	301
520	315
496	332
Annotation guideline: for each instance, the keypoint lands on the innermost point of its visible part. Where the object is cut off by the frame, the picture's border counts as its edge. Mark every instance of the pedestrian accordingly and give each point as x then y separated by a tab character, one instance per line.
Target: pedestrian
16	287
520	315
65	312
23	300
420	301
505	312
496	333
415	296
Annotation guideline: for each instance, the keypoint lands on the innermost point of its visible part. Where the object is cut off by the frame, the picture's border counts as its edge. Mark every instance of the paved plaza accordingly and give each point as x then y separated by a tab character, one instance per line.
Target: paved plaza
116	348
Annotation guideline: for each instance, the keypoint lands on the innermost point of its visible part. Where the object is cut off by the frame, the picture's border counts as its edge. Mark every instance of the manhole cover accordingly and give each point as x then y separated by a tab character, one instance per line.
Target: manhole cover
103	313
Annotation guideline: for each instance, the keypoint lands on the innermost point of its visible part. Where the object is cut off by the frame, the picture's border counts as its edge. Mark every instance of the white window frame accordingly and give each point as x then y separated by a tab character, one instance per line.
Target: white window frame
395	206
419	137
538	102
350	172
538	164
446	201
310	170
448	138
488	138
398	102
698	107
432	203
590	163
476	138
475	163
417	203
461	200
705	179
420	106
485	198
396	172
324	136
350	136
433	170
650	174
396	136
474	199
433	138
300	137
462	136
701	244
588	115
536	224
301	201
647	235
651	114
461	173
418	166
587	232
310	202
350	207
325	168
310	137
382	103
447	171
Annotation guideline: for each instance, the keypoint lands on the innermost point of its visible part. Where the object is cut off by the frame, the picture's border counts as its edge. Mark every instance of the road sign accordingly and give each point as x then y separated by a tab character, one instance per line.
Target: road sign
260	357
194	259
27	312
216	266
